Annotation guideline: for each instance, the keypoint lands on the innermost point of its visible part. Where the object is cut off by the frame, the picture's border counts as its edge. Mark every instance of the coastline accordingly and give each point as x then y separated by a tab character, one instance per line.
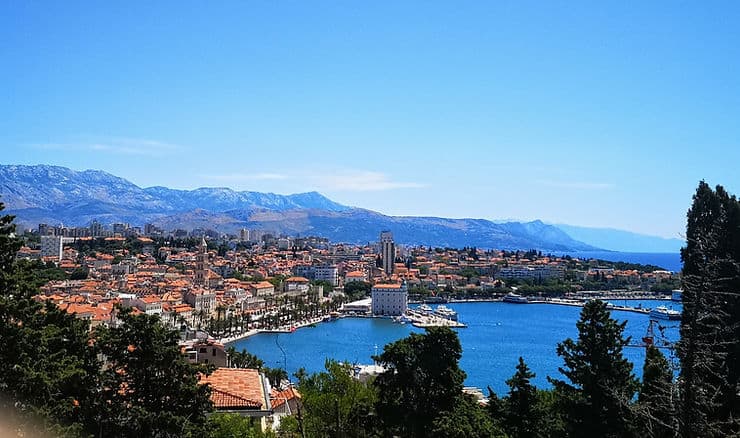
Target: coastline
282	329
575	302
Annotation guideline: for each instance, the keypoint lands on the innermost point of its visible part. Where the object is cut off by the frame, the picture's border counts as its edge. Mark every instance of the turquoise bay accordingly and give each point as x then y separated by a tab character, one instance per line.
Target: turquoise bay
497	334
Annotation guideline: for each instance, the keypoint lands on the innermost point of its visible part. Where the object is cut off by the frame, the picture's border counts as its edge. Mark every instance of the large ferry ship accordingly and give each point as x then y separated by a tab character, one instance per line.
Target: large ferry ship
662	312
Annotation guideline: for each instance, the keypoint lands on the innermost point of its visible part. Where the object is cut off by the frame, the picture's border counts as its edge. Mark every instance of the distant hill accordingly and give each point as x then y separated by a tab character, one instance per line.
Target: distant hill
54	195
624	241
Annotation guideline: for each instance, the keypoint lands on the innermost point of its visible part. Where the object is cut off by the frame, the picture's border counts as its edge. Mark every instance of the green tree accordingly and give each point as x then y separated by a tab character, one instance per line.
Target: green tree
422	381
709	349
222	425
149	388
275	375
335	404
466	420
522	410
48	367
656	400
79	274
597	401
243	359
356	290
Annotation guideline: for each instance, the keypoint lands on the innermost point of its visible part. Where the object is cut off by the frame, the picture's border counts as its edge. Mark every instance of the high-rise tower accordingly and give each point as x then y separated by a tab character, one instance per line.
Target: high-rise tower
387	251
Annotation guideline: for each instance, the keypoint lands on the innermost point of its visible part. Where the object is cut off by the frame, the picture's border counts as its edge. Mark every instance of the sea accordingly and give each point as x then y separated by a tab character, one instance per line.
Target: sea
497	334
669	261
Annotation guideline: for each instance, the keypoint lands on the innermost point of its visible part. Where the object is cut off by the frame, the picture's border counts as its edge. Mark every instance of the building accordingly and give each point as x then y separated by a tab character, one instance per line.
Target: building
96	229
390	299
537	272
201	264
328	273
349	277
150	304
387	251
45	230
201	300
244	235
51	246
206	352
297	285
261	288
240	391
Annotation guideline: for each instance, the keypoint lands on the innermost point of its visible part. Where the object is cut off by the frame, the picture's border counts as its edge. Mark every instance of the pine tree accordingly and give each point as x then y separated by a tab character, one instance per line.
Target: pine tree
522	412
597	401
48	368
656	399
710	327
422	380
149	388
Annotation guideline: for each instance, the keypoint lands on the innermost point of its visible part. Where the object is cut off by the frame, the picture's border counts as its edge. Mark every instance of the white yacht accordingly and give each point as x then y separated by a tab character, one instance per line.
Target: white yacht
446	313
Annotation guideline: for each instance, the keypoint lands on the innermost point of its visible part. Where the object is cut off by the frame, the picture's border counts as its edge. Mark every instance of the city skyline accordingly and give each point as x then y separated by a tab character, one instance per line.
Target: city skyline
601	115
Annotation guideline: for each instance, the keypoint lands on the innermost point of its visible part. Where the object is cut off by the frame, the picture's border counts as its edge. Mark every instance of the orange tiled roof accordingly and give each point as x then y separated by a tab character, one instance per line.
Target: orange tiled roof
279	398
388	286
236	388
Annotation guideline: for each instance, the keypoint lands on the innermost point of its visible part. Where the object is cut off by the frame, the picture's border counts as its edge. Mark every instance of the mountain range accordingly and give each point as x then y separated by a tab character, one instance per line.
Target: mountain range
54	195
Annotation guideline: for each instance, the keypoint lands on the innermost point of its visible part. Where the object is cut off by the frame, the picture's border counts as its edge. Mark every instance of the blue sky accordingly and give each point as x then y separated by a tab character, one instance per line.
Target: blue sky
570	112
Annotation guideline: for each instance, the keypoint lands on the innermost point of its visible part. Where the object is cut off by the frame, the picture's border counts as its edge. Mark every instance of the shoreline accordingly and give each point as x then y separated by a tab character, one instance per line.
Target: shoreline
282	329
574	302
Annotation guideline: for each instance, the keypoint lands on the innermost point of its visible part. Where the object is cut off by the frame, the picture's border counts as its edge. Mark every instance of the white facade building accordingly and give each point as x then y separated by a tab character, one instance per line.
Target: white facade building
390	299
51	246
328	273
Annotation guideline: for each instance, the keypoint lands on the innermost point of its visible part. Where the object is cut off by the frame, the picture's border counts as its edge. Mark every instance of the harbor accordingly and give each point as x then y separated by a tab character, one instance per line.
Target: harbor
497	334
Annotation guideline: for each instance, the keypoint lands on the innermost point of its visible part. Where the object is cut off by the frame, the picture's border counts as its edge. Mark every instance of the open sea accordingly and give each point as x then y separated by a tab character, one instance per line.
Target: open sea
497	334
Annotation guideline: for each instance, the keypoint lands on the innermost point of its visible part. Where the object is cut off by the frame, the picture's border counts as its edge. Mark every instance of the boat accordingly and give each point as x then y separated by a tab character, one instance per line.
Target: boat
662	312
401	319
676	295
515	299
446	313
424	308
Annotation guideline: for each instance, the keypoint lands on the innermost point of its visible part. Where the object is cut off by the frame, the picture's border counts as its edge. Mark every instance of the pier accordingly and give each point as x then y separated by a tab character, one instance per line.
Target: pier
581	302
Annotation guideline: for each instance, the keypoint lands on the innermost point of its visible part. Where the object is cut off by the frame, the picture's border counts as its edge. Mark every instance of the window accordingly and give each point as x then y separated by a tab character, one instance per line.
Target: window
203	350
214	352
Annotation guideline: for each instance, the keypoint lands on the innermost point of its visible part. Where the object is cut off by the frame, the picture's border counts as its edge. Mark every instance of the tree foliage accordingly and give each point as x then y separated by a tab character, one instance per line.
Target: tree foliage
522	417
149	388
656	400
709	349
597	401
422	383
335	404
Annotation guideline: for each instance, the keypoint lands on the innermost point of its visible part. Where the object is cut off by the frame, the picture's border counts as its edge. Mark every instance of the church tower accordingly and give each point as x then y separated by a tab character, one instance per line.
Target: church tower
201	264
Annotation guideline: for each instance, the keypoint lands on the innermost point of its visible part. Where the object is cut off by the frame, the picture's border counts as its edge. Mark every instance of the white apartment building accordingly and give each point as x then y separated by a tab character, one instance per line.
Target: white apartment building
328	273
537	272
51	246
390	299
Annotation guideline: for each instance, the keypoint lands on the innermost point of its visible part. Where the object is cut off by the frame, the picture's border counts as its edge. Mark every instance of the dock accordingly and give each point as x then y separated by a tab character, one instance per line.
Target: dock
581	303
